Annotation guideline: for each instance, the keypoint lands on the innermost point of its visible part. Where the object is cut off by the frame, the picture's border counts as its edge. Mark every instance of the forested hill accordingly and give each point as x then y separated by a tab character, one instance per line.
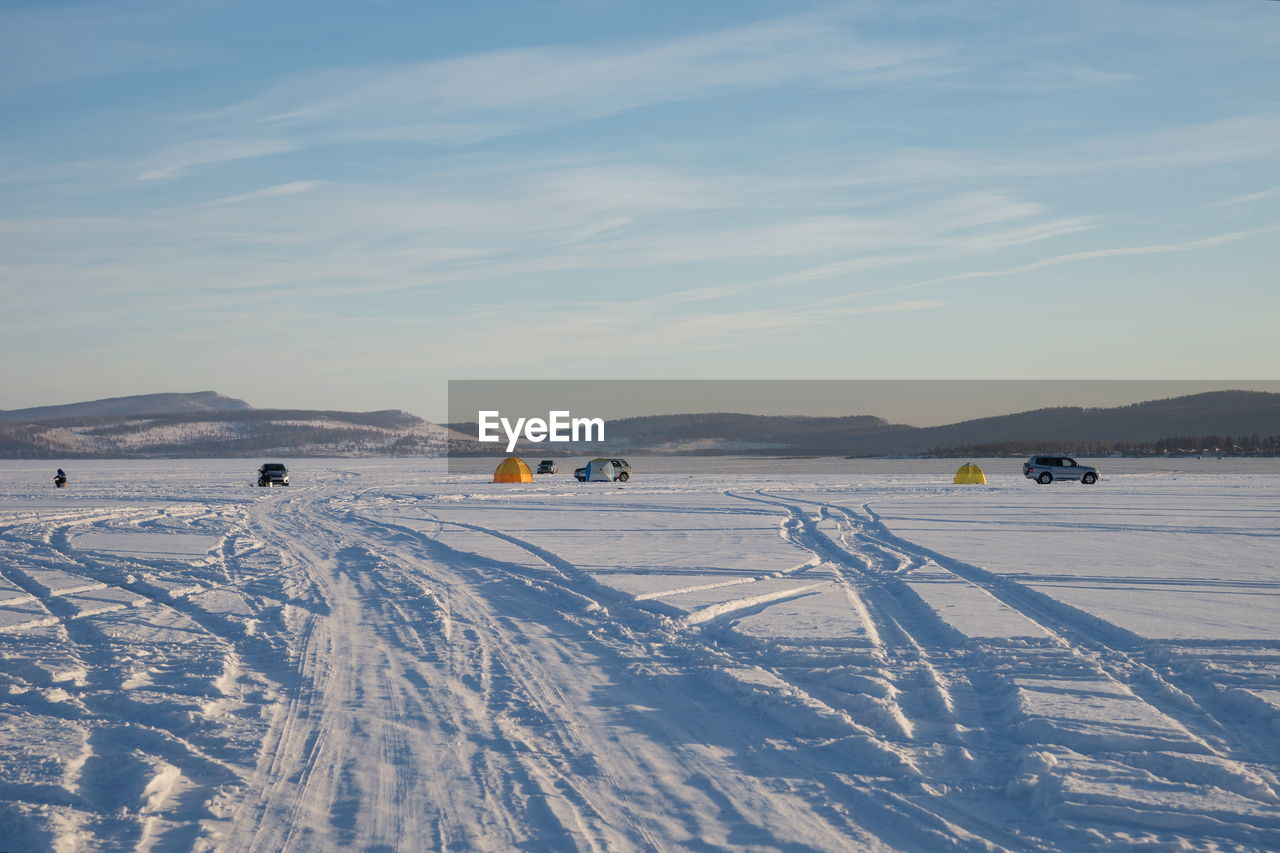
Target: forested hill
142	404
1176	422
207	424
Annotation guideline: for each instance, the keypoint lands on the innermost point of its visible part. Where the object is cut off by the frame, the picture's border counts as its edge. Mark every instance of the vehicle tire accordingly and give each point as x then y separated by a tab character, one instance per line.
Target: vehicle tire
1045	478
1089	479
623	477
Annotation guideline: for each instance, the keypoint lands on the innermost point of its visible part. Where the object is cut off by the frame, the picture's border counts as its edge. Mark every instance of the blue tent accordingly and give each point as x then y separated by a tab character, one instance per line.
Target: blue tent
600	471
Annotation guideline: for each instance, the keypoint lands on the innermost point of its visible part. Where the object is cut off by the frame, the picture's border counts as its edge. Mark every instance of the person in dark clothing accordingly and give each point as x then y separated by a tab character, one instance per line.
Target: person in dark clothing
60	478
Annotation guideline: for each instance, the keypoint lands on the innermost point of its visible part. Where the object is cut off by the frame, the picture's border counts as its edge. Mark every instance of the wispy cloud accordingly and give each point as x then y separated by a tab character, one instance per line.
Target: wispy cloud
575	82
1245	199
1096	254
177	160
486	95
1236	139
1248	138
624	330
318	237
967	245
291	188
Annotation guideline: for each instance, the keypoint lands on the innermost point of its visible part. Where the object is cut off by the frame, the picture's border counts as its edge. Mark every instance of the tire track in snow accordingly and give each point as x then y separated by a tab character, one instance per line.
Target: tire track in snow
749	604
571	735
1195	705
580	598
1113	653
143	776
906	632
119	572
942	827
520	715
353	707
948	703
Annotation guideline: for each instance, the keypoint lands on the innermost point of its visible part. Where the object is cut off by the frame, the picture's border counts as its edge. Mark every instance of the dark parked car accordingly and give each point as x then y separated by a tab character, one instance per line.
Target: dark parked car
1046	469
273	474
547	466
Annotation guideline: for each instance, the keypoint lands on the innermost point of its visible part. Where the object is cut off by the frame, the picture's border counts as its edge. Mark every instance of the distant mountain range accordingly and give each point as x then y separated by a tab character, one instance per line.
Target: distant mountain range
1221	413
151	404
207	424
1060	429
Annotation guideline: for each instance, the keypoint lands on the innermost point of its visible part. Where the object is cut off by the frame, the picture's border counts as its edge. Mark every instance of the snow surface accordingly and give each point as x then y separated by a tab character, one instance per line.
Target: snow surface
722	654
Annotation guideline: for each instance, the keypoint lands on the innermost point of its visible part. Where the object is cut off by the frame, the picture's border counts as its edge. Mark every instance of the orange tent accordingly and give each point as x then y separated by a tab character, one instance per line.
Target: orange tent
512	470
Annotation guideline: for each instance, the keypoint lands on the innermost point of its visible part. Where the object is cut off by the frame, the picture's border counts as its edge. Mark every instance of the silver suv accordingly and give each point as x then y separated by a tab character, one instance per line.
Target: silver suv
621	470
1046	469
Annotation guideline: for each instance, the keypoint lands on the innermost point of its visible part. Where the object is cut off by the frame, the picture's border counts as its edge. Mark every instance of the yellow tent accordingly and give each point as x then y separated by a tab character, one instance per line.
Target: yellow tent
970	474
512	470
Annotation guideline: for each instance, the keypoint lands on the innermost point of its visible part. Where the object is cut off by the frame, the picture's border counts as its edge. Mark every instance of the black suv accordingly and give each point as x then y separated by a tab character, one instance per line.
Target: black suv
273	474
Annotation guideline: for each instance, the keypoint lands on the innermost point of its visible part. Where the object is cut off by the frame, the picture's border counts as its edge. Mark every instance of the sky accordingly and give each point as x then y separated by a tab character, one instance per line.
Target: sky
343	205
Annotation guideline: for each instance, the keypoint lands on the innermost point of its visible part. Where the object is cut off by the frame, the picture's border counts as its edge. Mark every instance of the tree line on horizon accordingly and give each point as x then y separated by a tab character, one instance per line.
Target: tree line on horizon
1179	445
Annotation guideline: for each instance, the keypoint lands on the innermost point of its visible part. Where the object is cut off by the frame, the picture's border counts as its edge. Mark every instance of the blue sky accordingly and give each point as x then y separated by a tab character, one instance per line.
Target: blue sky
345	204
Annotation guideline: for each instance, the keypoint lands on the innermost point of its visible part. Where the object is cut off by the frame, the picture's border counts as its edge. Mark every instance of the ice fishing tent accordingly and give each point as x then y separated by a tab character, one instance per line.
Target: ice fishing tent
512	470
970	474
600	471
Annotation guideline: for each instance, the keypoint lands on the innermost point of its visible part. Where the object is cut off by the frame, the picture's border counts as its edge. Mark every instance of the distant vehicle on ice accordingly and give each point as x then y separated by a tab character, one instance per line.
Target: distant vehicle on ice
1046	469
604	471
273	474
547	466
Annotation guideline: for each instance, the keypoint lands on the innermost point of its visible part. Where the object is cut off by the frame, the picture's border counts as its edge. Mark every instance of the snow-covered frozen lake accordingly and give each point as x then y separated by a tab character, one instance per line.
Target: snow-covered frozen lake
722	654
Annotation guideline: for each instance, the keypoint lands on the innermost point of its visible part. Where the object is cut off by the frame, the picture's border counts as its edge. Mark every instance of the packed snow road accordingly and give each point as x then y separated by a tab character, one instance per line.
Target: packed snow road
720	655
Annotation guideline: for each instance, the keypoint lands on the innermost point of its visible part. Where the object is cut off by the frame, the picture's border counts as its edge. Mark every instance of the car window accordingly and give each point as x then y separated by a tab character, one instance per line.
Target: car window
1068	463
